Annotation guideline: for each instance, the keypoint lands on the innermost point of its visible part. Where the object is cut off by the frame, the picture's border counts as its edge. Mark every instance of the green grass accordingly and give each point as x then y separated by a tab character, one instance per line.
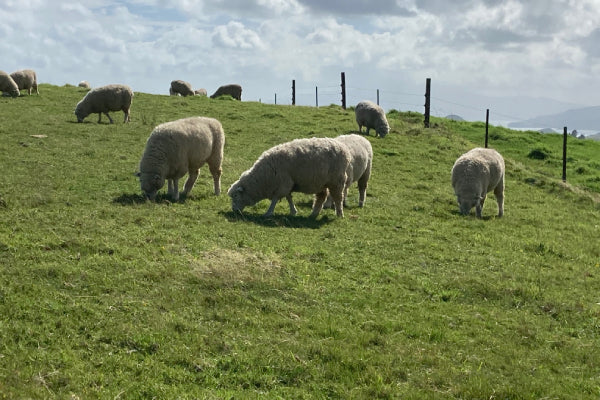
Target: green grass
103	295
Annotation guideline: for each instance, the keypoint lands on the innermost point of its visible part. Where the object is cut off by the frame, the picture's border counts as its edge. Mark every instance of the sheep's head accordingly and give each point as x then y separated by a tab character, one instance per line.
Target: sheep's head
466	203
239	197
383	129
79	113
150	184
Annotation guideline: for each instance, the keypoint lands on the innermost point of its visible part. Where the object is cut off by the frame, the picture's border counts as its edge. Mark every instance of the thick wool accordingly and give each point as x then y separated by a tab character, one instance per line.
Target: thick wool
476	173
359	169
179	87
8	85
311	166
233	90
200	92
371	116
103	99
181	147
26	79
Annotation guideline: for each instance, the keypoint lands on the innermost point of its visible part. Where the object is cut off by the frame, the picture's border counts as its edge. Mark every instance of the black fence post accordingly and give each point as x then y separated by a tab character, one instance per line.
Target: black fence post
293	92
344	90
317	96
427	101
487	124
377	96
275	98
564	174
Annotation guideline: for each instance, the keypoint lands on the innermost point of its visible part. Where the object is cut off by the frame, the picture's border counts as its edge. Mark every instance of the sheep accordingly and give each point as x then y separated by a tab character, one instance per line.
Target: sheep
26	79
359	169
104	99
476	173
179	87
370	115
84	84
200	92
8	85
311	166
179	147
233	90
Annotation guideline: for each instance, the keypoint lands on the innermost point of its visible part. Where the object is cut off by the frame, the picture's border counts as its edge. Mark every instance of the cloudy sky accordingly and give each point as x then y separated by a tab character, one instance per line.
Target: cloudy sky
509	56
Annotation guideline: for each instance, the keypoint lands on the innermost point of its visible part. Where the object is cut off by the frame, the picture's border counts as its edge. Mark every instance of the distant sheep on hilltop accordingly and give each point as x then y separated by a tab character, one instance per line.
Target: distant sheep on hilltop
8	84
26	79
179	87
104	99
370	115
233	90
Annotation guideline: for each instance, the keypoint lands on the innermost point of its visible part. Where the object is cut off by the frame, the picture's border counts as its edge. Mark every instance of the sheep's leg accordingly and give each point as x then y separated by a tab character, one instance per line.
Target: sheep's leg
271	207
479	206
170	187
293	209
99	117
318	203
328	202
368	129
175	194
126	115
109	118
499	193
338	201
189	183
216	174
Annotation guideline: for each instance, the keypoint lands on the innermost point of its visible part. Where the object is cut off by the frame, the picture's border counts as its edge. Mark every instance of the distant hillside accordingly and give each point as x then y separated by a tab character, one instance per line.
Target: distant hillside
579	118
594	137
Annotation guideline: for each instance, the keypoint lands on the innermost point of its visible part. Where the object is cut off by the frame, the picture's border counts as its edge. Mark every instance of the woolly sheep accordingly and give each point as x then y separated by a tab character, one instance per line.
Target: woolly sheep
233	90
179	147
26	79
311	166
104	99
370	115
179	87
200	92
84	84
476	173
8	85
359	169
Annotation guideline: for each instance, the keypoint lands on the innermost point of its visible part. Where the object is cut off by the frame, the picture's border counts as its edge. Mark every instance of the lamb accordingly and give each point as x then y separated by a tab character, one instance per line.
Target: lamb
359	169
84	84
179	87
311	166
233	90
476	173
370	115
104	99
8	85
179	147
200	92
26	79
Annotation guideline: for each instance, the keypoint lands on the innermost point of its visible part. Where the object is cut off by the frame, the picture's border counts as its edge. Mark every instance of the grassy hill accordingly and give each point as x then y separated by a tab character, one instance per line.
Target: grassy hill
103	295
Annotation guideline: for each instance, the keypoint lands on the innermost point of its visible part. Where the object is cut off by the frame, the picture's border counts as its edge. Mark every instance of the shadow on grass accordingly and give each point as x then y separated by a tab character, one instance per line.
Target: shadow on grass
276	221
129	199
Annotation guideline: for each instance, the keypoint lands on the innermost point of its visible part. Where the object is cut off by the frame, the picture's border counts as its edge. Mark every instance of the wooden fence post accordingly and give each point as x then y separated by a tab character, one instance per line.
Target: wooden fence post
275	98
293	92
487	124
427	101
317	96
564	172
344	90
377	96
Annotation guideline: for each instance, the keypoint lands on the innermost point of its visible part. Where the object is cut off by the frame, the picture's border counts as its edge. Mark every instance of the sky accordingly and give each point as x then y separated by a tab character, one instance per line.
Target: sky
517	58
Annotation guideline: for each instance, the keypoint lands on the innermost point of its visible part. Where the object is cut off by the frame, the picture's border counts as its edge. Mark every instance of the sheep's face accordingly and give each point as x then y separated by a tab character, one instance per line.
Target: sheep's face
383	129
79	114
151	184
239	198
466	203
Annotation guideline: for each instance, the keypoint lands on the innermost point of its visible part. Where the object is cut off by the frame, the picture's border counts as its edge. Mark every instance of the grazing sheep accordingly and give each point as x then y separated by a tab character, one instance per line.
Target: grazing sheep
476	173
179	87
179	147
370	115
84	84
8	85
104	99
359	169
26	79
233	90
311	166
200	92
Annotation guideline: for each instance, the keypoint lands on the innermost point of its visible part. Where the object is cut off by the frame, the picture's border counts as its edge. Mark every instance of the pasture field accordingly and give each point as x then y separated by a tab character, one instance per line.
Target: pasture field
104	295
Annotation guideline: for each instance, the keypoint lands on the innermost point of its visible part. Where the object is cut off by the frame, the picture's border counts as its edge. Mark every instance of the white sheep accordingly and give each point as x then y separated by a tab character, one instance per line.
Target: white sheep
179	87
233	90
370	115
104	99
84	84
311	166
179	147
476	173
8	85
359	169
26	79
200	92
